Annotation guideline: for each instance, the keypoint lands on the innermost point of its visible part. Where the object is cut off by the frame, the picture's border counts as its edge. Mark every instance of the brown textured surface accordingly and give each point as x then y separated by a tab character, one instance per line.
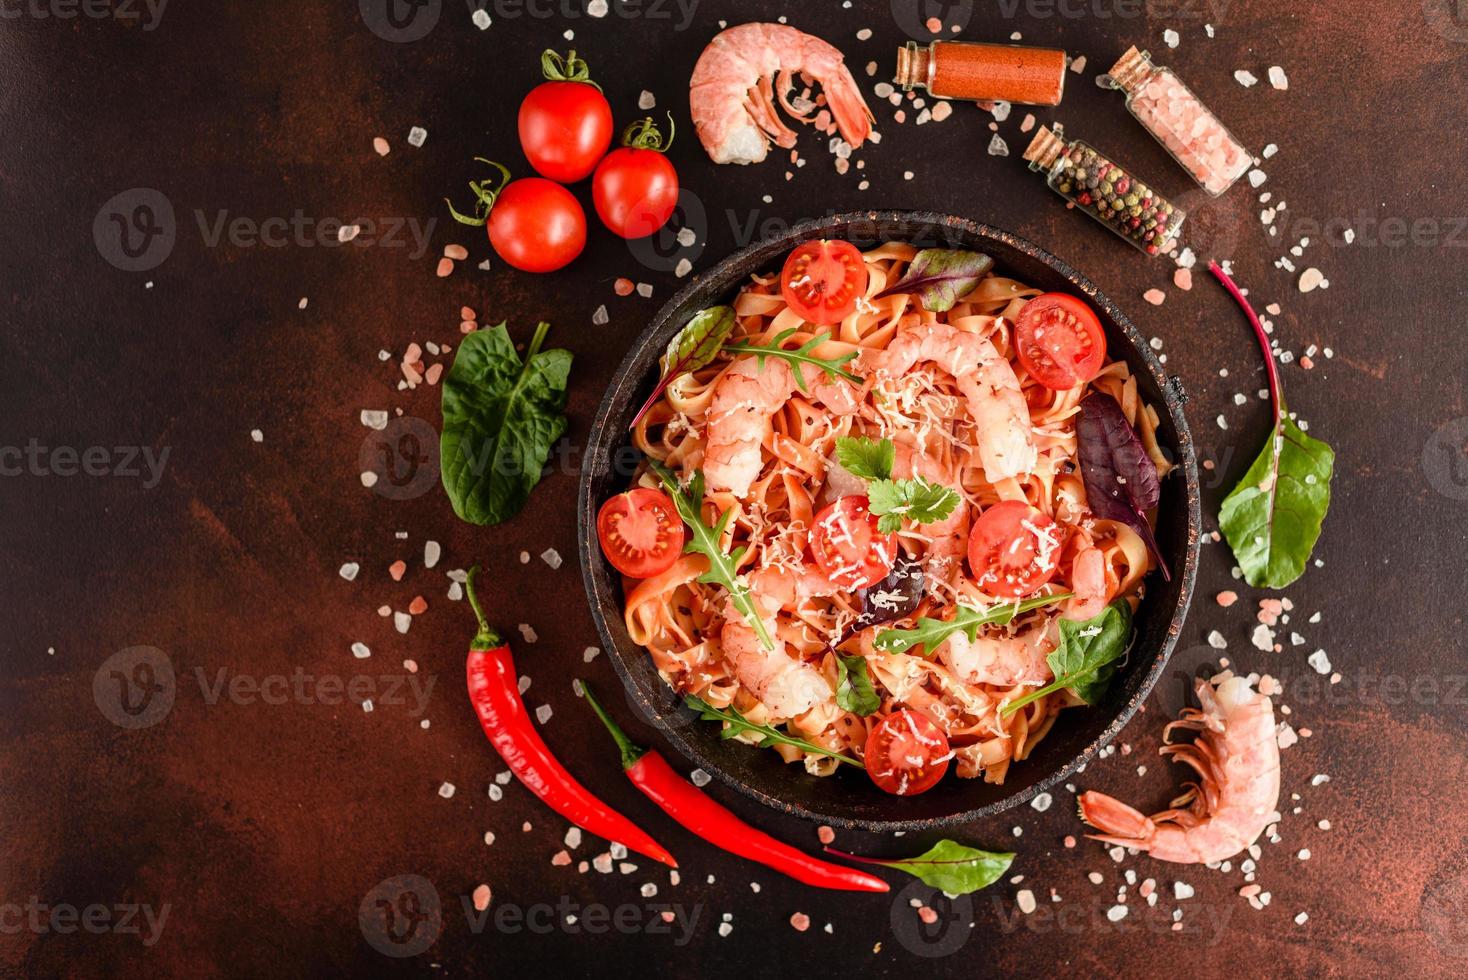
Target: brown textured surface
262	827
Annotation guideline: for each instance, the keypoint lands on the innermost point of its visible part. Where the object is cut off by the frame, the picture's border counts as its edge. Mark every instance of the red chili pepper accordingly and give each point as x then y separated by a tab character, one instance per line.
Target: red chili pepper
688	805
494	692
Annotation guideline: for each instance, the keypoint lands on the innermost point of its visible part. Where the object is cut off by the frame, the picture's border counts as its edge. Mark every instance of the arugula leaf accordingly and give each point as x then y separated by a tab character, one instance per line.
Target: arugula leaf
854	691
708	541
948	866
739	724
831	367
501	417
917	500
693	347
1086	658
940	277
866	459
1120	478
1272	519
929	633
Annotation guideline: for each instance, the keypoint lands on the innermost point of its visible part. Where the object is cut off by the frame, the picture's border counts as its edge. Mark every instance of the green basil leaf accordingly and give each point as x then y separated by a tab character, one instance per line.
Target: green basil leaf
940	277
501	416
1086	658
854	691
1272	518
866	459
948	866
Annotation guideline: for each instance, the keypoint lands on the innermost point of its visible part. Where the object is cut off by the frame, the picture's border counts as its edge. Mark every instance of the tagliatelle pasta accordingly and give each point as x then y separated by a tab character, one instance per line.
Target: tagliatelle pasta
927	384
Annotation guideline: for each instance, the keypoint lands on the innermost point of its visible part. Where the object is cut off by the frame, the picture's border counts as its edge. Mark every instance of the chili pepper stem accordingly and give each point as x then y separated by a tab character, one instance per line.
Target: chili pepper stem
631	751
487	638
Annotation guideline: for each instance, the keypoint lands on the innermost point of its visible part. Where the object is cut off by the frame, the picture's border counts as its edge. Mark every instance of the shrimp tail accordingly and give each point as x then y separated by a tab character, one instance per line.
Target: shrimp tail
1119	823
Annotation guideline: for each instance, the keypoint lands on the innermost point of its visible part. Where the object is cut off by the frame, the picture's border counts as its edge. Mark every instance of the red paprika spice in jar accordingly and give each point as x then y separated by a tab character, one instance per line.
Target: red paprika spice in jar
980	72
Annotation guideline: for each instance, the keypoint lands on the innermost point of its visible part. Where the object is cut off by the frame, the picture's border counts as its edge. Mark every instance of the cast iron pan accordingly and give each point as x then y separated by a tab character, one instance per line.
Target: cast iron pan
848	799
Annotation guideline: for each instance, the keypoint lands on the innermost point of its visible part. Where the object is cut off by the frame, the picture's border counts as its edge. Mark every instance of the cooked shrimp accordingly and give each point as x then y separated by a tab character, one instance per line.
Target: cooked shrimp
745	398
1088	583
1237	758
778	587
731	95
1004	661
786	685
1005	438
949	537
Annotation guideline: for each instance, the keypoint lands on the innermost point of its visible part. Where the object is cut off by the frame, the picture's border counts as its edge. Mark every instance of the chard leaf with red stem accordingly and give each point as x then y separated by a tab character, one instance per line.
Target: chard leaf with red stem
948	866
693	347
940	277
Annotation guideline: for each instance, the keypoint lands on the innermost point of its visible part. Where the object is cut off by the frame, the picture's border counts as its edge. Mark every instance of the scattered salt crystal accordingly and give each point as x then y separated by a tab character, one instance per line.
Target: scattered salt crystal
496	793
551	557
1245	78
1182	890
481	898
417	135
543	713
699	777
1182	279
644	289
446	790
825	834
1154	296
1078	64
800	922
942	111
349	571
431	553
686	237
396	570
725	928
1270	150
1116	913
1042	802
1277	78
589	654
683	267
1257	177
1319	661
997	147
1310	279
374	418
528	632
1170	38
360	650
600	317
1026	900
401	621
480	19
865	34
1262	638
597	8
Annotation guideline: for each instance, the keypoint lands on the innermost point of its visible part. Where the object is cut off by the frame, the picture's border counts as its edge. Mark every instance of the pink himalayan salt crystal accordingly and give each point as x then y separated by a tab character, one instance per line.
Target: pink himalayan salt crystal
826	834
397	569
455	252
800	921
561	859
381	146
481	898
445	268
1154	296
1183	279
927	915
1190	131
1229	597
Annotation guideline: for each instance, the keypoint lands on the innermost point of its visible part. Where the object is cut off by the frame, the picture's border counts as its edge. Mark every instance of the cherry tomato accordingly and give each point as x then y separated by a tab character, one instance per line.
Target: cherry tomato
847	546
536	225
565	122
822	280
907	753
640	532
635	188
1013	549
1059	341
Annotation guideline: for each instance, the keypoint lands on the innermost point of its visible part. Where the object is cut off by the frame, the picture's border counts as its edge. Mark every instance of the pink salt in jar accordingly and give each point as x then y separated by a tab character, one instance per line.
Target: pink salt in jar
1170	111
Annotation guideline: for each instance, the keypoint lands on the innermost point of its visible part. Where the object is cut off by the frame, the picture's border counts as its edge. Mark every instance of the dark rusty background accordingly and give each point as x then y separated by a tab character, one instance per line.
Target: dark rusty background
262	827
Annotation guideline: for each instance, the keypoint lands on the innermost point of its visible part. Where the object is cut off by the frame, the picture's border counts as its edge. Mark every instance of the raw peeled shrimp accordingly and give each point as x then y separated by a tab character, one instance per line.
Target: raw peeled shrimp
731	94
1237	757
786	685
1004	661
1088	583
1005	438
745	398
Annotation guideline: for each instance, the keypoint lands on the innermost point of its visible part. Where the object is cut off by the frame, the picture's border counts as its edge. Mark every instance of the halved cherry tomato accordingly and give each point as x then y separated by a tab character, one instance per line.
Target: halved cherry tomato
822	280
907	753
847	546
1013	549
640	532
537	225
1059	341
565	122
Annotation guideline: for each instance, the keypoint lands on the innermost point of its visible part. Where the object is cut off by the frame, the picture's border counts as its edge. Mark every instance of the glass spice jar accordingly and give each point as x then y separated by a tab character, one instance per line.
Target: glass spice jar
982	72
1170	111
1105	190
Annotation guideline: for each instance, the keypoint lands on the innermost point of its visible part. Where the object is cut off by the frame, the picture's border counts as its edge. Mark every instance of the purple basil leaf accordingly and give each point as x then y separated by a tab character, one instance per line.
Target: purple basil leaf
1121	479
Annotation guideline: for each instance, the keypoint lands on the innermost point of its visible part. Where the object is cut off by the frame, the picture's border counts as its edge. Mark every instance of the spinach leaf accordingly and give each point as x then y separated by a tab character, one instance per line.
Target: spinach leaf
854	691
948	866
693	347
940	277
1272	519
1086	658
501	416
1120	478
929	634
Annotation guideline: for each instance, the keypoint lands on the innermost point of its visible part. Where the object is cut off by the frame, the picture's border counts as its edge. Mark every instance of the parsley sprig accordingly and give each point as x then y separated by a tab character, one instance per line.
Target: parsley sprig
917	499
708	541
833	367
770	735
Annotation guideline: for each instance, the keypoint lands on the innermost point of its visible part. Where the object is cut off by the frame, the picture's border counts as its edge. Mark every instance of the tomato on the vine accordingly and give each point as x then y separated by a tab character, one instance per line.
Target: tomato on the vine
534	224
822	280
635	188
565	122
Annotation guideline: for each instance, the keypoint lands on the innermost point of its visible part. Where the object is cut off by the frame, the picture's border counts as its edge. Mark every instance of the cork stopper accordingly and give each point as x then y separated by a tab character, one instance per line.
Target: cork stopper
1131	70
1045	149
914	64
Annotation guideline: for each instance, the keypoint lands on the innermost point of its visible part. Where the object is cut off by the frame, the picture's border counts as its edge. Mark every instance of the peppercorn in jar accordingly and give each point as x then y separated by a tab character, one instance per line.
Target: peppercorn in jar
1105	190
